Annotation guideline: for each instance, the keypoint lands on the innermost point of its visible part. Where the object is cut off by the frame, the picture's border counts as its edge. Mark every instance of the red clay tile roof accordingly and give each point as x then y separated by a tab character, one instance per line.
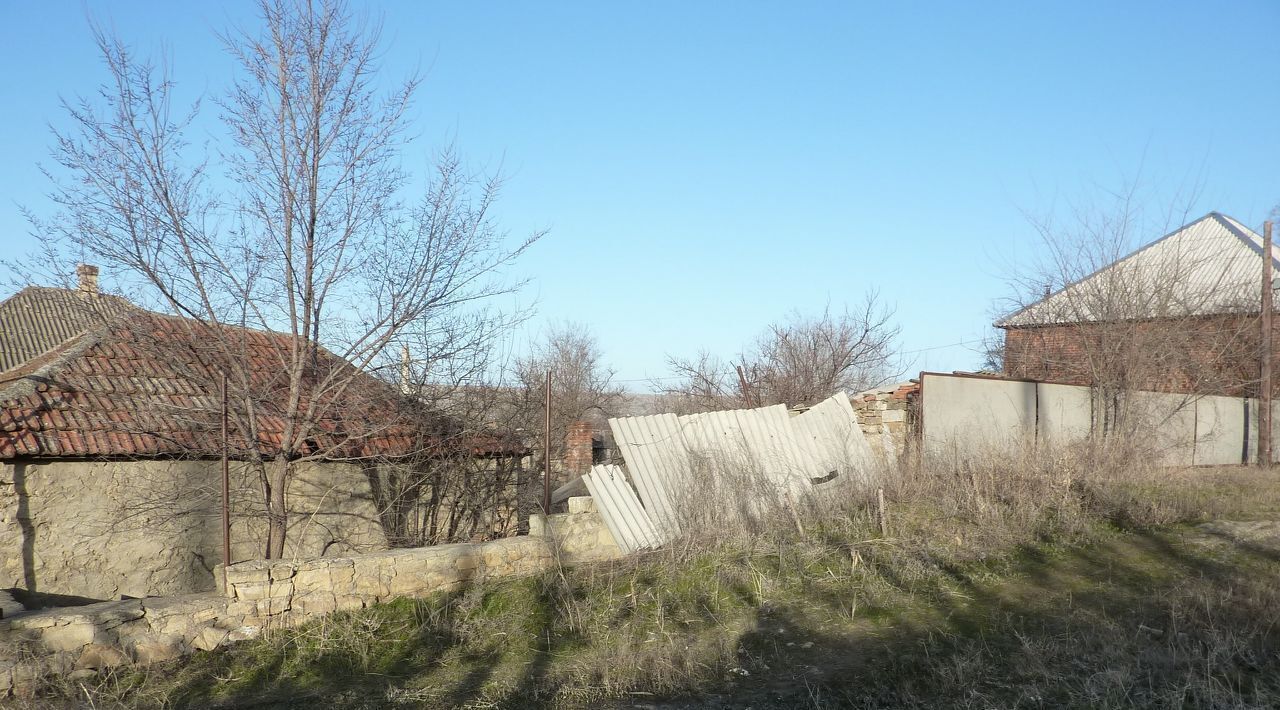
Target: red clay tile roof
146	385
37	319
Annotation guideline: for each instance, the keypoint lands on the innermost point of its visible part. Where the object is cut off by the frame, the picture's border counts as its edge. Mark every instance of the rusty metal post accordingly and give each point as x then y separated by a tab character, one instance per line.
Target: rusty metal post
226	486
546	455
1264	388
742	385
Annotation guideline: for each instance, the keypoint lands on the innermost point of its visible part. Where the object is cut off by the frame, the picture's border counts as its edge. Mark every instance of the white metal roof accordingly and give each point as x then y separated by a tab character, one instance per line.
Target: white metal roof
1212	265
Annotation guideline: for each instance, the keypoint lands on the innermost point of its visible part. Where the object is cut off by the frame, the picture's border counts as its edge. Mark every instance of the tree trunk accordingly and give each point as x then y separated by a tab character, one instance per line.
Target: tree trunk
277	516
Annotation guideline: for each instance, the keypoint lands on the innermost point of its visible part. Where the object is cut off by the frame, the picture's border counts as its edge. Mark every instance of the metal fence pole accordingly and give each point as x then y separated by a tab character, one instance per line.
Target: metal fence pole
546	456
1264	389
226	485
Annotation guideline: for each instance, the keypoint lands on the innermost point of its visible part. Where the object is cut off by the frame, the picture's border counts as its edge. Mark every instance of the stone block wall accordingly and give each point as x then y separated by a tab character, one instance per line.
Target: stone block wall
579	535
885	416
299	590
261	594
94	637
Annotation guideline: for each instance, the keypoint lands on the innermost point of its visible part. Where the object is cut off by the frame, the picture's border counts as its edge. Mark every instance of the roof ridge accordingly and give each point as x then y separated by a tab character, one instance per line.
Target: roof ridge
1005	320
1224	220
16	382
1246	235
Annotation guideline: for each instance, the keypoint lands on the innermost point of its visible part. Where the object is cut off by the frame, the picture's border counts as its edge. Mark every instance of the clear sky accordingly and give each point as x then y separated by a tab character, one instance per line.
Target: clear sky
705	168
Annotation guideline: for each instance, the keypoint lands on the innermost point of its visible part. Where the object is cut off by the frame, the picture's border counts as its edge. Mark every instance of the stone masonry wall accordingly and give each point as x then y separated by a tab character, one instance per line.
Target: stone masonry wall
579	535
884	415
292	591
262	594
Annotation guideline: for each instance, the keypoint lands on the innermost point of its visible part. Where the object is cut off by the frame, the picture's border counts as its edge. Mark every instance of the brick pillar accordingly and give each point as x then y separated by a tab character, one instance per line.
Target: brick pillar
577	448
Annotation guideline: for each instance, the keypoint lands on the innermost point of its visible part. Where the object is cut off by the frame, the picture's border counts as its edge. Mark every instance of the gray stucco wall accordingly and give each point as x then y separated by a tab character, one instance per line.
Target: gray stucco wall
102	529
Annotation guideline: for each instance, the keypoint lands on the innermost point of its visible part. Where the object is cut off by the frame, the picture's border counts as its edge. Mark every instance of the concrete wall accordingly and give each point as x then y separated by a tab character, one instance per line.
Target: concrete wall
968	414
1065	413
1171	421
1218	427
103	530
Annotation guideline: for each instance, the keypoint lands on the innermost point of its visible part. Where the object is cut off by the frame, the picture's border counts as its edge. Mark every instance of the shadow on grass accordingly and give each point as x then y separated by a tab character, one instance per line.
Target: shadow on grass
1145	619
1142	618
408	653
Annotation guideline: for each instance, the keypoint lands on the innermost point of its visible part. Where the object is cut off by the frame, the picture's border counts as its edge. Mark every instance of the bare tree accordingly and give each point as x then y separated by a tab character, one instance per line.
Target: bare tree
298	223
499	404
582	384
798	361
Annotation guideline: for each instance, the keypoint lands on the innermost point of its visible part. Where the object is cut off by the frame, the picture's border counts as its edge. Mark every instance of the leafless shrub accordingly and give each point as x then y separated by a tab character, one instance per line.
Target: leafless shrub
581	383
797	362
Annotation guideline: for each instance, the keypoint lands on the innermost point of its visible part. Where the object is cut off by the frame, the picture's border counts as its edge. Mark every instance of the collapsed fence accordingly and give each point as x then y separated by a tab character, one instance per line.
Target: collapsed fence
736	465
746	465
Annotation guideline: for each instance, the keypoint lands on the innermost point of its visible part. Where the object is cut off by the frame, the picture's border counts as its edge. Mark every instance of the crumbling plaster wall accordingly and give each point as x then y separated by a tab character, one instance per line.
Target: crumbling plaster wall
107	529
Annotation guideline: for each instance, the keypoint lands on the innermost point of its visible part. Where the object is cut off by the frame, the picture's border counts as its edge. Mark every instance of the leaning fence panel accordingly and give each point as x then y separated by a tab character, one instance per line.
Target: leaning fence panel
626	518
829	431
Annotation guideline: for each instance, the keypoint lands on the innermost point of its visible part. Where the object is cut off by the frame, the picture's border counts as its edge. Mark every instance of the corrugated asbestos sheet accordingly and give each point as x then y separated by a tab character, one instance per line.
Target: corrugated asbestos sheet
755	442
738	454
835	441
656	457
623	514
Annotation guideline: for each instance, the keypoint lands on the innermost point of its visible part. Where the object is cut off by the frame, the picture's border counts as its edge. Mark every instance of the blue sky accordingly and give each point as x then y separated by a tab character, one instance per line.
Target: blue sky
705	168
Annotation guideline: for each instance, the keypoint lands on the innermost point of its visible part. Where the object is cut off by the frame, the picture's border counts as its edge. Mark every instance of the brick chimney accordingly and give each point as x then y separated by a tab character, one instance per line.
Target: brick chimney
577	448
88	275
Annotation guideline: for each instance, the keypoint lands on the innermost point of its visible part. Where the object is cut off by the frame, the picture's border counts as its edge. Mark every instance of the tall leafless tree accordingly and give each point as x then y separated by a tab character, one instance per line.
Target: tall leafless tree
301	221
581	383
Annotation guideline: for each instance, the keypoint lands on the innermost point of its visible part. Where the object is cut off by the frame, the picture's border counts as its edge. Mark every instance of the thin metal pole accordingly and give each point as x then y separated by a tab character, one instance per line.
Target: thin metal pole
546	456
742	385
1264	393
226	484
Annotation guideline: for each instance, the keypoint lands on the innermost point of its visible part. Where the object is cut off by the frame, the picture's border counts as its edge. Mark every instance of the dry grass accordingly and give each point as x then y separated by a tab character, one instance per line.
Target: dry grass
1012	581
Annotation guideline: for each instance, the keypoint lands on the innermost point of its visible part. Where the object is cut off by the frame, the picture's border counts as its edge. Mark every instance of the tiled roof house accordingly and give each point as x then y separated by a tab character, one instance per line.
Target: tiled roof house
137	386
110	431
123	382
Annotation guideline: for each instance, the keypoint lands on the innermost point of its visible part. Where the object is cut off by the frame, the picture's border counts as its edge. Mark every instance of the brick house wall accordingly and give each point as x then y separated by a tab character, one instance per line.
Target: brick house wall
1205	355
